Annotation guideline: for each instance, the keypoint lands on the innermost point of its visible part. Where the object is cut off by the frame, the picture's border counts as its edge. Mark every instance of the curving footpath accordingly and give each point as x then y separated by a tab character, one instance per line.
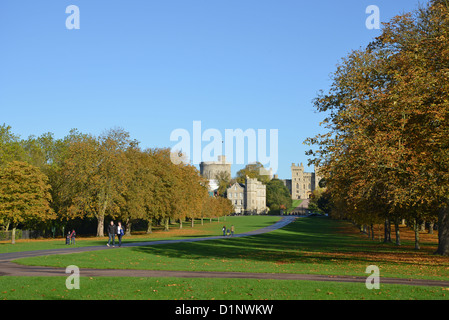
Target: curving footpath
5	257
8	268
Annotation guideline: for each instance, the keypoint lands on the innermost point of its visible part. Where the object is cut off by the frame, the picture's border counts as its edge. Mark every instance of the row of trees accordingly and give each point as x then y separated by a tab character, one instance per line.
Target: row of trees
385	156
47	180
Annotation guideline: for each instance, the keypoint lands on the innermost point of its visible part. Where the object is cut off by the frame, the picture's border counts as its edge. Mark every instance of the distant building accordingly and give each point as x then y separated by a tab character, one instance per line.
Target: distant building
250	197
256	196
302	184
211	169
236	193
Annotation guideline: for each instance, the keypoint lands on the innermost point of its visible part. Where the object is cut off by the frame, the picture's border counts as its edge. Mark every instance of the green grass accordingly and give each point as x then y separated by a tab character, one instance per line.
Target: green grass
242	224
307	246
315	245
111	288
295	203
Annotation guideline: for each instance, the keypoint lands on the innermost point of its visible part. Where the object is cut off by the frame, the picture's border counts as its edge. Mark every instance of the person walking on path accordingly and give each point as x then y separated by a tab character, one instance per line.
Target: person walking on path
67	239
224	230
112	231
232	230
120	233
72	236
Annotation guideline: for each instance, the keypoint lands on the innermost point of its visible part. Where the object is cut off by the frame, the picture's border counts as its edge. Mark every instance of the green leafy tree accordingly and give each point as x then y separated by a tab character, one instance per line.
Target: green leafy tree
253	170
11	147
278	195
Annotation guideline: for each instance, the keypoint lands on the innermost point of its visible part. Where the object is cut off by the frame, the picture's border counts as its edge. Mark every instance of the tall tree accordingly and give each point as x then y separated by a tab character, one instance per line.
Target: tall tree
385	155
24	195
278	195
11	147
96	175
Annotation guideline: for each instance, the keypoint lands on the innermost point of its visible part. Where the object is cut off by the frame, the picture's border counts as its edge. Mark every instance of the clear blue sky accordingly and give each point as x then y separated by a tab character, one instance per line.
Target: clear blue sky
154	66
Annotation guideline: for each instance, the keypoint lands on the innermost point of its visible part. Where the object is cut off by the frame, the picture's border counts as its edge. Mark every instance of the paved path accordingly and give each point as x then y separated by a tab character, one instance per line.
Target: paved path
36	253
8	268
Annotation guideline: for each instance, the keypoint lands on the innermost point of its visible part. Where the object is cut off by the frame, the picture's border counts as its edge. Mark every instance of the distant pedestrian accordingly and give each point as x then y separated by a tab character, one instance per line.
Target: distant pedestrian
67	239
112	231
232	230
228	232
120	233
224	230
72	236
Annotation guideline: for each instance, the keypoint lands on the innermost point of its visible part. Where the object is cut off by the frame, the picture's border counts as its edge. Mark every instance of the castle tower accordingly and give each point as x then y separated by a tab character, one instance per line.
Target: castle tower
255	196
317	177
210	169
298	182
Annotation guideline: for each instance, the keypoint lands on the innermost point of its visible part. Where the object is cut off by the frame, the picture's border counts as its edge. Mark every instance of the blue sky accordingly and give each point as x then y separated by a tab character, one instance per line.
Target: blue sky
151	67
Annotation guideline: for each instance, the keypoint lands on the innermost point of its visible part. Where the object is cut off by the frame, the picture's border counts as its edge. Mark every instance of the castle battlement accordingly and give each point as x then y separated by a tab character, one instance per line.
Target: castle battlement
302	183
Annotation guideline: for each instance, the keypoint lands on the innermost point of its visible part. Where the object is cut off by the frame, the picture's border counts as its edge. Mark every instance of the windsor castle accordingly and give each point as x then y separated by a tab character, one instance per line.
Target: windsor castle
250	197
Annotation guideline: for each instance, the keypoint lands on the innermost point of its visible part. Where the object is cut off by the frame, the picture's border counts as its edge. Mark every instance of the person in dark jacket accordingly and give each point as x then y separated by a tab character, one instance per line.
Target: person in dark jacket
67	239
112	231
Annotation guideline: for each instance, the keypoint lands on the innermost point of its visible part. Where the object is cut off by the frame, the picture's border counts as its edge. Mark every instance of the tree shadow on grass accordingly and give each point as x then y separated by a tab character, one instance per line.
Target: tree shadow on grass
287	244
313	240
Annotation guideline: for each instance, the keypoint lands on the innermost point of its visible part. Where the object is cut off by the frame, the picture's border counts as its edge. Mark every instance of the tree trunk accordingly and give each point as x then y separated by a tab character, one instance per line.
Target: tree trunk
128	227
101	214
202	223
180	223
192	222
398	237
416	226
443	232
372	232
431	224
166	227
423	226
362	228
100	226
387	231
150	226
13	235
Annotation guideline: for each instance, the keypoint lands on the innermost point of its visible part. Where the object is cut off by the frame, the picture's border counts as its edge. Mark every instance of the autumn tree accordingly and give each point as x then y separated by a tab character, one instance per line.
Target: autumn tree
385	155
138	189
24	196
11	147
223	207
95	171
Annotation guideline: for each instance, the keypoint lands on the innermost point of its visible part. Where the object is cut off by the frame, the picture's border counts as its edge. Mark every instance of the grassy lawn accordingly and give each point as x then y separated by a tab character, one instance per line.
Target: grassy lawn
241	223
314	245
295	203
108	288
